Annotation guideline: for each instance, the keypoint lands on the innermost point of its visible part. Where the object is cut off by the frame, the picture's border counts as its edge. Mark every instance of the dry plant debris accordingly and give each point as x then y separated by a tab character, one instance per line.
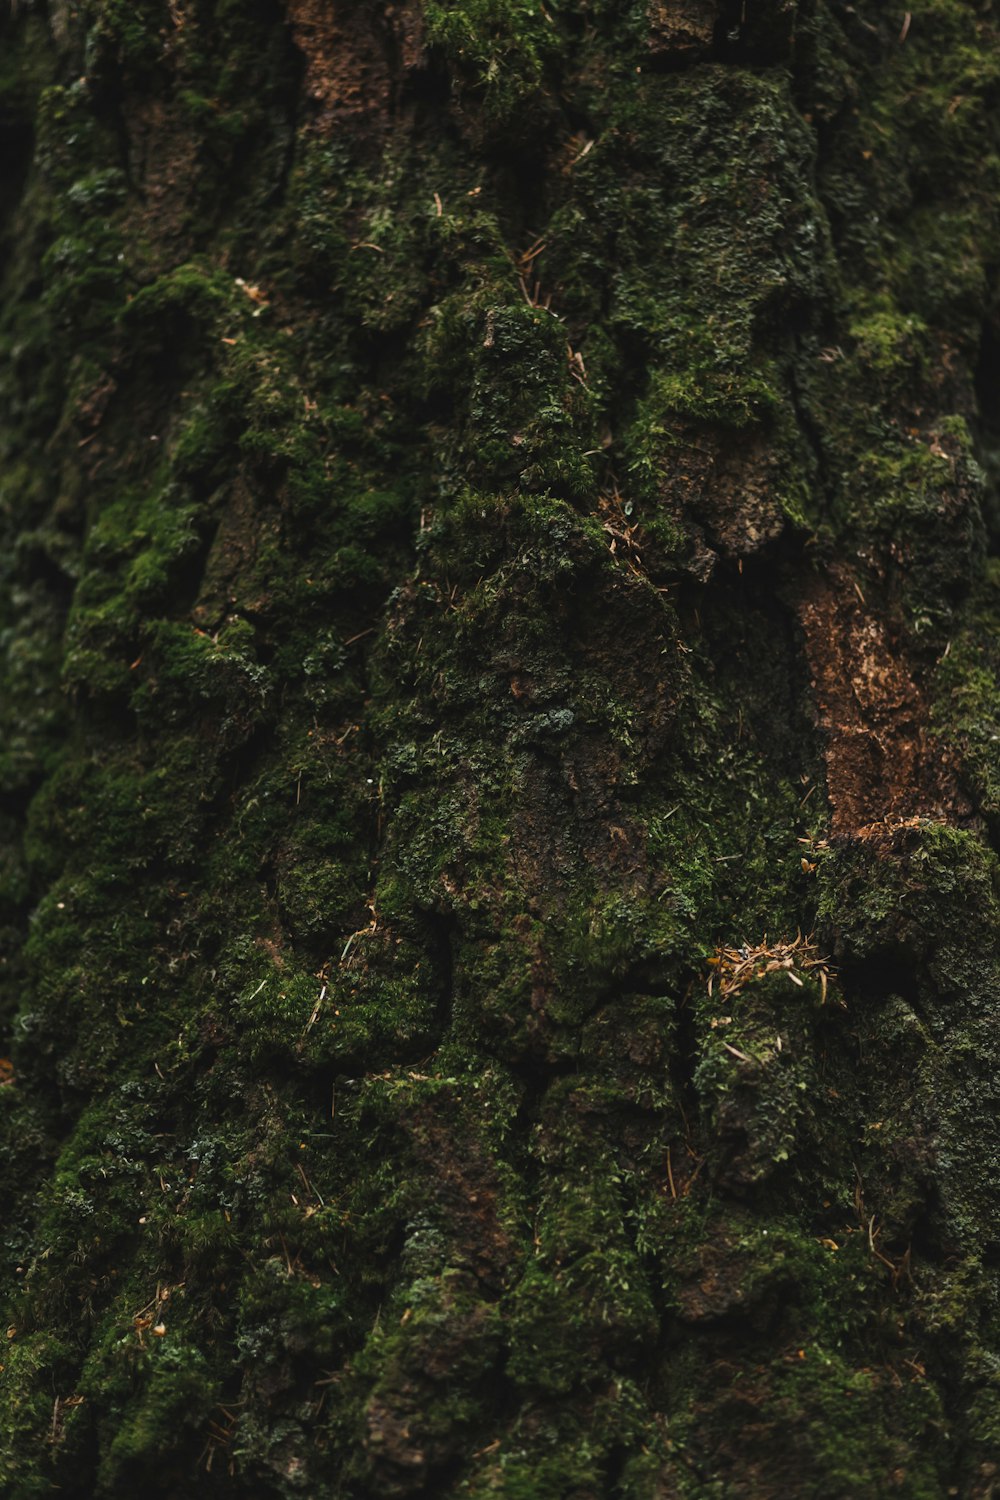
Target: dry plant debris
732	969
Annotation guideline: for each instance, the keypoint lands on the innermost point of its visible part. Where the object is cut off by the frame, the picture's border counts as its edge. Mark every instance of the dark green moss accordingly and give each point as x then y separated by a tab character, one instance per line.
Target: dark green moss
402	695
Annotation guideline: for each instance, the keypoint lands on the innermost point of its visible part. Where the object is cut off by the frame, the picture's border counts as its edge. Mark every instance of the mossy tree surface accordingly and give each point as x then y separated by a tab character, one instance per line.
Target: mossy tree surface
499	507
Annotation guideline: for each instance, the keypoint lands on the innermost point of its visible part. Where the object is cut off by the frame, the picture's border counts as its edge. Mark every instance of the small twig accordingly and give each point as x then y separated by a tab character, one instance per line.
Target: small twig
316	1008
743	1056
308	1185
530	254
698	1166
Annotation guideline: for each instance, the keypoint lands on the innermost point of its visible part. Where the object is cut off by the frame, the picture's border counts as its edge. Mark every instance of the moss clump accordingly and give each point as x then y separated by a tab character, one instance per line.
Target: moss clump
967	713
581	1303
496	49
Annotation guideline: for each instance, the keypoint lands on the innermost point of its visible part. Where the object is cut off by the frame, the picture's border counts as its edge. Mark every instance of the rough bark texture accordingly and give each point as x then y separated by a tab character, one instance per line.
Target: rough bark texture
498	538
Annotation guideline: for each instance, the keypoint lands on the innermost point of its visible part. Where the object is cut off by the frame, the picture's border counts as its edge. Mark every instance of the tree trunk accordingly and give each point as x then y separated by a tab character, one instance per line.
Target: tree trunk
500	749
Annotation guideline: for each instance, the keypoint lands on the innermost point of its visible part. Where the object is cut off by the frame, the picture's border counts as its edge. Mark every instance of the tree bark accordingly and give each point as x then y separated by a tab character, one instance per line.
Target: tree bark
499	749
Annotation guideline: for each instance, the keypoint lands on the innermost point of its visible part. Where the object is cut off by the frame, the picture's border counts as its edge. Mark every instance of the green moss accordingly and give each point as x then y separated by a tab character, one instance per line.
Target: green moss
189	292
582	1301
496	47
908	894
393	771
133	29
178	1393
967	711
31	1364
893	348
